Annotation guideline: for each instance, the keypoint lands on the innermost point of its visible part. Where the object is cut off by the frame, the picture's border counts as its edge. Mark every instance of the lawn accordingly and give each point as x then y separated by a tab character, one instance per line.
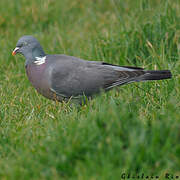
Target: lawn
133	129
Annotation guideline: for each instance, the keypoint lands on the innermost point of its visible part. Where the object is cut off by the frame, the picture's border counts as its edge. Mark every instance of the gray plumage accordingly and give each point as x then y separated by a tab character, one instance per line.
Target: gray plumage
61	77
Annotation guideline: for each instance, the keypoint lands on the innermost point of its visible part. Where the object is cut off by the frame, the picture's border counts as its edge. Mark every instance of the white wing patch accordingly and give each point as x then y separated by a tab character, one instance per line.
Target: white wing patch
40	60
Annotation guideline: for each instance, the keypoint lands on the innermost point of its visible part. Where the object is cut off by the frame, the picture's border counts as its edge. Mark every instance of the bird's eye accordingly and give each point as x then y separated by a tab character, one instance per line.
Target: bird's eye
22	44
19	45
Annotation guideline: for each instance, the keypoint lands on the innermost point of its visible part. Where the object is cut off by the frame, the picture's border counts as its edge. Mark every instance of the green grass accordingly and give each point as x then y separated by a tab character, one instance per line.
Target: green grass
133	129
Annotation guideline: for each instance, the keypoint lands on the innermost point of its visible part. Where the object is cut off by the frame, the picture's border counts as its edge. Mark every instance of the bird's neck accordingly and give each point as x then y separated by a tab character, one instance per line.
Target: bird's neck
32	55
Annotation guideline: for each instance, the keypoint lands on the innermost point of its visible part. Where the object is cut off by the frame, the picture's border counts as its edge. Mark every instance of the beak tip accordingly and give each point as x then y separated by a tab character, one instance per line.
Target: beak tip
15	51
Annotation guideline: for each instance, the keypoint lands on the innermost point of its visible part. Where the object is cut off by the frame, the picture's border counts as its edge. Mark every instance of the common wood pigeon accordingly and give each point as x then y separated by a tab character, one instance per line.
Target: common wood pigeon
61	77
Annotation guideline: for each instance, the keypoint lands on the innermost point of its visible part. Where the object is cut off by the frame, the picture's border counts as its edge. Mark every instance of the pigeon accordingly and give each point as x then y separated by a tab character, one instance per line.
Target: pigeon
61	77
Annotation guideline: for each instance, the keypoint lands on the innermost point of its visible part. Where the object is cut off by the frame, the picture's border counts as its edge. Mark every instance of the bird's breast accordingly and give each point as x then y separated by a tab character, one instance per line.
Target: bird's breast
38	77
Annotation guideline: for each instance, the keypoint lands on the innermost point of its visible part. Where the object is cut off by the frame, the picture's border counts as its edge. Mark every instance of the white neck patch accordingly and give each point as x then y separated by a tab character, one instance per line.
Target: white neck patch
40	60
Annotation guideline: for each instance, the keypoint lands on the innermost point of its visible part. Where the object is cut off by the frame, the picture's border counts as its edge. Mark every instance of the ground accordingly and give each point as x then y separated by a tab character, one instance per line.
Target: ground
132	129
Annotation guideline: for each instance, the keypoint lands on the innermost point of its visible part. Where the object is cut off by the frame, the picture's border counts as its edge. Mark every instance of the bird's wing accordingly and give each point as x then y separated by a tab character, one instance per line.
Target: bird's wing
73	77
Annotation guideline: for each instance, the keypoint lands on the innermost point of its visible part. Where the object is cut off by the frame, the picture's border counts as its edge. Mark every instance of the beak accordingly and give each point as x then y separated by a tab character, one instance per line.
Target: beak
15	51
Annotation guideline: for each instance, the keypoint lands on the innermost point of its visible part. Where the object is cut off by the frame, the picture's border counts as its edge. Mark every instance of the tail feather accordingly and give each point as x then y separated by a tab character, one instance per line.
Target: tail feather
156	75
137	76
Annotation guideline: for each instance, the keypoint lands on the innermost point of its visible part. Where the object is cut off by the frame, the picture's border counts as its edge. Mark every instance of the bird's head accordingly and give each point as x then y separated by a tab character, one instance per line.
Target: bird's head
29	47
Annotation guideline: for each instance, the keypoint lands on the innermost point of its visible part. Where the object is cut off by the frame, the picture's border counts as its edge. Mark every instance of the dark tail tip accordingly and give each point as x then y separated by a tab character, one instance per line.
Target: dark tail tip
157	75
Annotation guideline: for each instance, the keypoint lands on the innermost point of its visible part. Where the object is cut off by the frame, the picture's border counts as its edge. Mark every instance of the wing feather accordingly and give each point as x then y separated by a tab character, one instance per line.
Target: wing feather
74	77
